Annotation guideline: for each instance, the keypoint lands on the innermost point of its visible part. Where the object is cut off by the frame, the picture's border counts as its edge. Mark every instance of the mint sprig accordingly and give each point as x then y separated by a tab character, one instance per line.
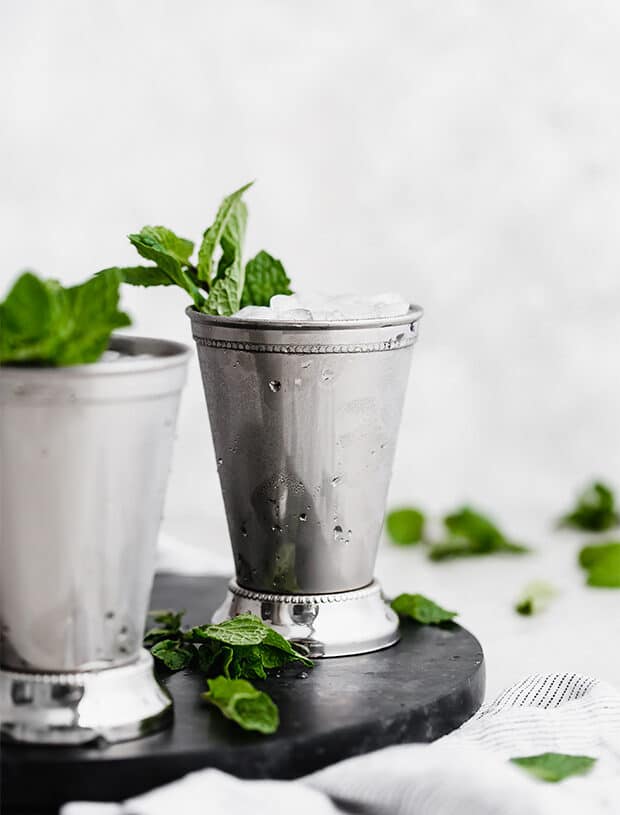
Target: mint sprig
44	323
217	281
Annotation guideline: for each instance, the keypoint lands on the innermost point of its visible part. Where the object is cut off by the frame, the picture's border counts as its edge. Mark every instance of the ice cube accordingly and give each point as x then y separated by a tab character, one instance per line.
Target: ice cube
295	314
355	309
327	315
256	313
386	298
284	302
391	309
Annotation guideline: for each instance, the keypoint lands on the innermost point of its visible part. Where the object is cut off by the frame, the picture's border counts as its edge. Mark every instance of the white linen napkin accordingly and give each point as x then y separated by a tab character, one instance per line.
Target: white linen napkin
464	773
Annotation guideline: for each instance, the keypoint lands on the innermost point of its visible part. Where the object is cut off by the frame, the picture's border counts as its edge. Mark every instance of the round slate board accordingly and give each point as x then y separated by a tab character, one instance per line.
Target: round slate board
422	688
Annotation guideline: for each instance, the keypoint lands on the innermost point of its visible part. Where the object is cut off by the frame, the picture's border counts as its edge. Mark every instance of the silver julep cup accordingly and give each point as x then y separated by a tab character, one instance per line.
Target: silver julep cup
85	455
304	418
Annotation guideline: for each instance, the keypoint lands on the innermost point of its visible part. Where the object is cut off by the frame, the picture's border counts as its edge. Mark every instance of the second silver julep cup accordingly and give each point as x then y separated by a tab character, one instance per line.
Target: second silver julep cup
304	418
84	462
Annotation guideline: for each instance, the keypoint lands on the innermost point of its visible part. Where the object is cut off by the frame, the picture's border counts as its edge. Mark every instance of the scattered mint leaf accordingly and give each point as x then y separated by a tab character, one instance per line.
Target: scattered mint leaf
46	324
174	654
213	235
421	609
594	511
264	277
535	597
555	767
405	526
243	703
602	563
469	534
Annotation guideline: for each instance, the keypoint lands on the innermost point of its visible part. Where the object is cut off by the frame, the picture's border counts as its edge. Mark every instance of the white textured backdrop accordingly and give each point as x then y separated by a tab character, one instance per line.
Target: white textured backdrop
463	153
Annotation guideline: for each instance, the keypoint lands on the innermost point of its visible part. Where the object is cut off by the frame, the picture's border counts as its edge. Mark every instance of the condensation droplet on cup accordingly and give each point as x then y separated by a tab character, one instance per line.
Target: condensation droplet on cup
298	383
327	375
303	517
302	675
336	480
220	461
244	530
275	385
340	536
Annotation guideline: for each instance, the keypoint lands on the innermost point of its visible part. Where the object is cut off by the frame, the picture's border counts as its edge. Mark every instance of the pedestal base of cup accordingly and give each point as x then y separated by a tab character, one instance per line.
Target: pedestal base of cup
322	625
114	704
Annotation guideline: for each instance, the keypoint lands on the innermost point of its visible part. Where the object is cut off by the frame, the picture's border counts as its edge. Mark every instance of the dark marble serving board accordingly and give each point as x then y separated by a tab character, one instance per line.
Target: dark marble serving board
422	688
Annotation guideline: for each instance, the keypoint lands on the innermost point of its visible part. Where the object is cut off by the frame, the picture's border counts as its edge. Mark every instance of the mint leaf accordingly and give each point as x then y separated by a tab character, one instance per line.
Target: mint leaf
214	234
594	511
168	626
143	276
225	295
246	629
31	318
421	609
555	767
405	526
602	563
470	534
159	243
264	277
174	654
171	254
44	323
93	315
168	619
214	658
276	642
232	238
243	647
244	704
249	630
535	598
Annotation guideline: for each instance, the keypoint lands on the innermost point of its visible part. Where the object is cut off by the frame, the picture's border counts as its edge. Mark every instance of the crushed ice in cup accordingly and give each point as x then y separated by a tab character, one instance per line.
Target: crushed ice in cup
301	307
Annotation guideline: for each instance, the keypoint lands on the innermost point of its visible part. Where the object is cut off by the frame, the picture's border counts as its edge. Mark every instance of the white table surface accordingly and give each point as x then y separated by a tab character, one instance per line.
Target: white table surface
579	632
